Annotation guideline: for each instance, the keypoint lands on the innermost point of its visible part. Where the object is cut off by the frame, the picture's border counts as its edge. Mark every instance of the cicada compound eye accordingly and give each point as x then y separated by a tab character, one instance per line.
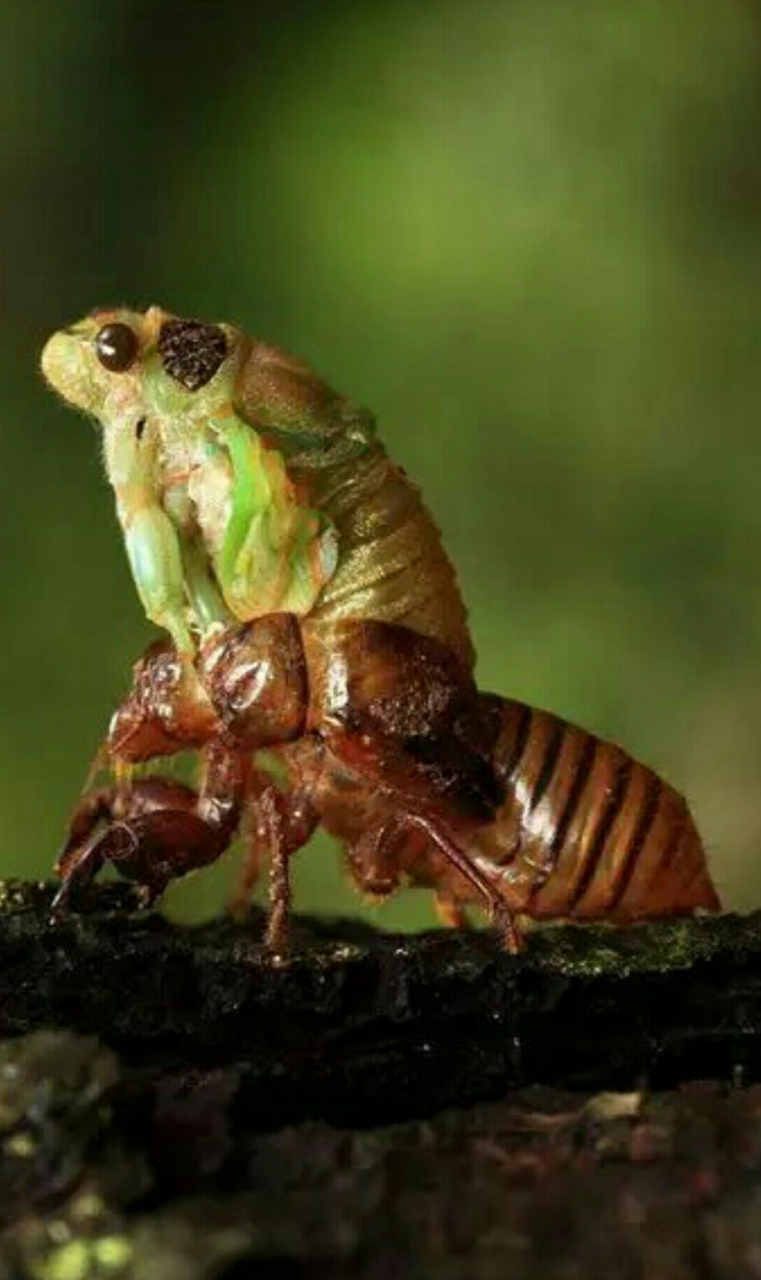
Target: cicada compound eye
116	346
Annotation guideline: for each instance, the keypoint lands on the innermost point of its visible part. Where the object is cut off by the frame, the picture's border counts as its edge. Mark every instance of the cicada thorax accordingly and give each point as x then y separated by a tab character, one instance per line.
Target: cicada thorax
585	831
391	565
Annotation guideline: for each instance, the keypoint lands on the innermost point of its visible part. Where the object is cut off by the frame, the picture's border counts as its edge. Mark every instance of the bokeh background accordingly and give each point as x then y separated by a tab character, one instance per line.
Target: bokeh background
527	233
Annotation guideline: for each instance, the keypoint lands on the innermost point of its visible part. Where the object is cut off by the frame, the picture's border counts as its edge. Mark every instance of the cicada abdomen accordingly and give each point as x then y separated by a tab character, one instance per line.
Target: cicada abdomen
586	832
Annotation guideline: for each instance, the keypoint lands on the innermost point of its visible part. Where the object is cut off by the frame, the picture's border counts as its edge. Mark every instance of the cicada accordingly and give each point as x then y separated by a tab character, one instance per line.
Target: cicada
317	657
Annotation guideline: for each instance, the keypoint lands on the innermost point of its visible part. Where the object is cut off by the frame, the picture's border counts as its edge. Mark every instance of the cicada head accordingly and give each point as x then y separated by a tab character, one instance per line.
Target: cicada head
117	361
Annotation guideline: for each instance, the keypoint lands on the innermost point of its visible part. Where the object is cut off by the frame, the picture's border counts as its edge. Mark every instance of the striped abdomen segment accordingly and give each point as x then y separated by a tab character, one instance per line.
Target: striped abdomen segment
585	831
392	566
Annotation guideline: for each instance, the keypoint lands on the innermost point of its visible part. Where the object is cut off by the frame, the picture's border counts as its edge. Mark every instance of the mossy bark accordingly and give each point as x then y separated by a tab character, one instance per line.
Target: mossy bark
174	1102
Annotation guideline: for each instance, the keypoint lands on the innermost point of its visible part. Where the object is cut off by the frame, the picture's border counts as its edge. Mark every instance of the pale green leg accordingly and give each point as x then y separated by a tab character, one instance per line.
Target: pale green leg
151	538
251	499
266	533
205	598
154	555
286	558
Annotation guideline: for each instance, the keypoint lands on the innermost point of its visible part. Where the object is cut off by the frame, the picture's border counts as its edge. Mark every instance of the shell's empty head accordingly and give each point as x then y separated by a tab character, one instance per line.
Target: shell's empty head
105	354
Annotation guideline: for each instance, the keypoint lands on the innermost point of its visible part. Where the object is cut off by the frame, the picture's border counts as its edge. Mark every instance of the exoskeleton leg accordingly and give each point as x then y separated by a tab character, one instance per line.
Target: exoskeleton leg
155	830
470	870
378	859
373	860
376	862
279	823
410	816
451	913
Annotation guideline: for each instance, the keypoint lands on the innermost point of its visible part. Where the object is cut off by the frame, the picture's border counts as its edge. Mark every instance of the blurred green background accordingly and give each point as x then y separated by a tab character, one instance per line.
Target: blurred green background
526	233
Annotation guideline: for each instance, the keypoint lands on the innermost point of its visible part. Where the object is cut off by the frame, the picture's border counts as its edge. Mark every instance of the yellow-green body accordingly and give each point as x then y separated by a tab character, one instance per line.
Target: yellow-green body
244	485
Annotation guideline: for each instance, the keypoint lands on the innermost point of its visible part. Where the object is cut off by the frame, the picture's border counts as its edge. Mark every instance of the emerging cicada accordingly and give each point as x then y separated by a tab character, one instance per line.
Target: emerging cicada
311	612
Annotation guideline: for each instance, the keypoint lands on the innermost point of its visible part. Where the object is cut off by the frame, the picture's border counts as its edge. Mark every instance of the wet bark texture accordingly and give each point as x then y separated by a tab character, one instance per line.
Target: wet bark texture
173	1103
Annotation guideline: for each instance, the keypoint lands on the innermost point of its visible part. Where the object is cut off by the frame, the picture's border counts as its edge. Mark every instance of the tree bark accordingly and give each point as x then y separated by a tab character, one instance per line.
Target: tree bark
174	1102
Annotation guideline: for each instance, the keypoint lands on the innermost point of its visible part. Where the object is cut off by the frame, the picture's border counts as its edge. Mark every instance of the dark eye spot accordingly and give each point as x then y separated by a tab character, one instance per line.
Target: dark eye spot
191	351
116	346
140	428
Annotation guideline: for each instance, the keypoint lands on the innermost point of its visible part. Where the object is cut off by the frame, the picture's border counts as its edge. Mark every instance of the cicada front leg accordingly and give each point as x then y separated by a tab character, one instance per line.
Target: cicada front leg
150	536
155	830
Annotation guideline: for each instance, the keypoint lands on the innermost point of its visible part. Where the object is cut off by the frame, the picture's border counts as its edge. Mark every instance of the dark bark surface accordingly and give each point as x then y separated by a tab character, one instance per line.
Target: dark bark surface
173	1102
